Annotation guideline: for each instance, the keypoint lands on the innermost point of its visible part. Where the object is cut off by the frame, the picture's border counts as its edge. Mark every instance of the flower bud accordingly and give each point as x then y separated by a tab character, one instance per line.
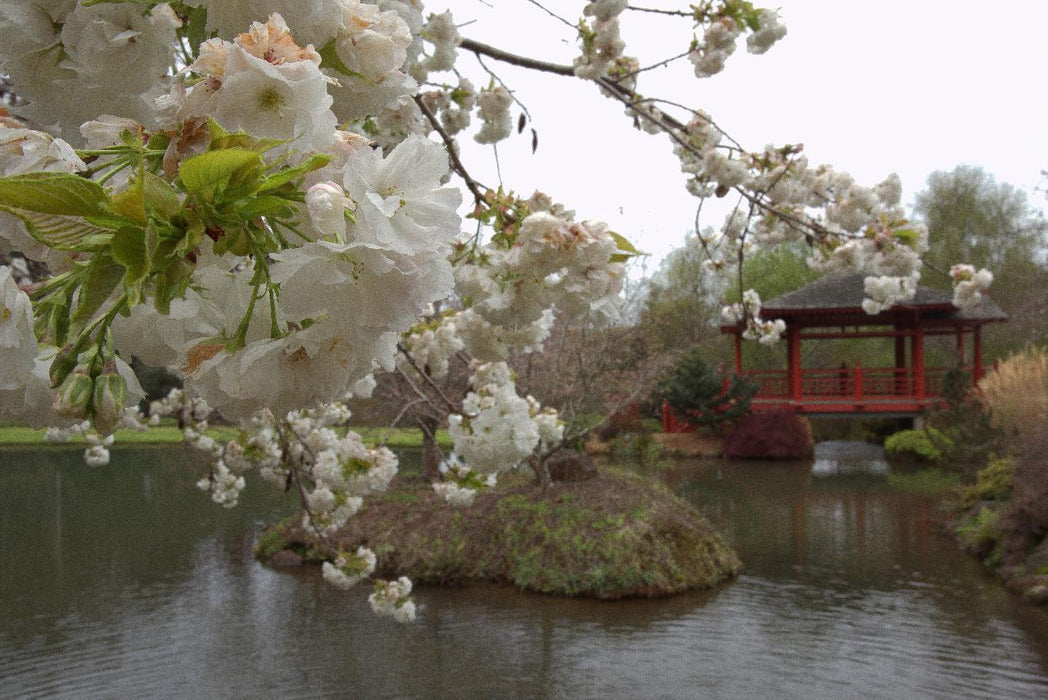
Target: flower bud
327	203
110	394
73	399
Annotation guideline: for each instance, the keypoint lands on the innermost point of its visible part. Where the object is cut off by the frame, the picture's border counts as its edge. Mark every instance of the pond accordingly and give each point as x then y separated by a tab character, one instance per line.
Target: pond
126	581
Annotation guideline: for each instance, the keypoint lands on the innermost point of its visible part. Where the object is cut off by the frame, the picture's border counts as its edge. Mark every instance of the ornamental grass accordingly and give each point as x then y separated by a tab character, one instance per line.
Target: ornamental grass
1015	394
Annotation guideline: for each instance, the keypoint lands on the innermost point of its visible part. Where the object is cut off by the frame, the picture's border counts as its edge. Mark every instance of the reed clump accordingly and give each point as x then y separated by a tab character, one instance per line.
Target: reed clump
1015	393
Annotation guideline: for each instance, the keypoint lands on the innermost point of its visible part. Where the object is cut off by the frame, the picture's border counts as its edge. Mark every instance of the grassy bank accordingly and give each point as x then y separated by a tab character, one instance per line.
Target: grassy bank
612	536
398	438
1002	518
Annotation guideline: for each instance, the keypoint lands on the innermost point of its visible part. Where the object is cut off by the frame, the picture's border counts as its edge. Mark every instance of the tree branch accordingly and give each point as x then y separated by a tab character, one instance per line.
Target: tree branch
515	59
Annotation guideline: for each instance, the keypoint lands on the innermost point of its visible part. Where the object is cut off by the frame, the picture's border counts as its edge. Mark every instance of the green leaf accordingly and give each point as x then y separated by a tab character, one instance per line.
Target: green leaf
160	197
265	205
624	245
908	237
134	248
287	175
131	203
220	139
201	175
58	232
58	319
59	194
103	276
171	283
329	59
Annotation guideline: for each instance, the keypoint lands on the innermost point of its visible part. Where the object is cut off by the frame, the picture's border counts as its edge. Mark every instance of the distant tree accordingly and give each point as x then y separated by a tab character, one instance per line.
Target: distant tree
679	305
974	219
775	271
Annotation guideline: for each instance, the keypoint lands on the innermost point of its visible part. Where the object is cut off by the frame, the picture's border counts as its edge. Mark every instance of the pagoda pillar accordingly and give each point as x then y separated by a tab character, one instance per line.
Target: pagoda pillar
917	355
738	351
900	383
793	359
977	364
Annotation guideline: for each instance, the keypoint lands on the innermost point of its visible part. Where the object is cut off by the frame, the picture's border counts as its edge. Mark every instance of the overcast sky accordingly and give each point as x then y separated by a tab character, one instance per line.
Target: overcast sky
906	86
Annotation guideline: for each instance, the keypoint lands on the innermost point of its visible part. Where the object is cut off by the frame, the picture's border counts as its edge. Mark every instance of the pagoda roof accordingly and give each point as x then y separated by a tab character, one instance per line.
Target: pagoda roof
843	293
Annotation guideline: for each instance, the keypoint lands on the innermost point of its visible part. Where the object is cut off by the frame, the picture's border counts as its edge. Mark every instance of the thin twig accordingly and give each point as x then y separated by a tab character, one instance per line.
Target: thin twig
655	11
428	379
552	14
405	409
449	146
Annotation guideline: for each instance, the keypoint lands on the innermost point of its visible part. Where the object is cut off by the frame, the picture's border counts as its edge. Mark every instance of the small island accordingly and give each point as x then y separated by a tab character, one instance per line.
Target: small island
611	536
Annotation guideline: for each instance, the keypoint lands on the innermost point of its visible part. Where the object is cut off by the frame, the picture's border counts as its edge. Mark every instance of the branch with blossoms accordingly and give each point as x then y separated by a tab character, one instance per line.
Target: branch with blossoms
847	226
253	201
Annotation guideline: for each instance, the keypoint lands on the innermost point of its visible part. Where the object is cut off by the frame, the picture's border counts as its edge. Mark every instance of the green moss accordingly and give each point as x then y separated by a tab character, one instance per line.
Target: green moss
613	536
927	445
926	482
274	539
980	532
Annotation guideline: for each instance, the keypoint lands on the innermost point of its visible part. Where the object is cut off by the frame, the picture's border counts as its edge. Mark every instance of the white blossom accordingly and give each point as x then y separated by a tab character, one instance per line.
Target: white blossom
18	348
969	285
493	109
769	31
266	84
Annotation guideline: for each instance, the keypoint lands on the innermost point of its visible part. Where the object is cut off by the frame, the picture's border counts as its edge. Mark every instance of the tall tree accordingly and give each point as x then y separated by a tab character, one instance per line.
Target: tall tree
975	219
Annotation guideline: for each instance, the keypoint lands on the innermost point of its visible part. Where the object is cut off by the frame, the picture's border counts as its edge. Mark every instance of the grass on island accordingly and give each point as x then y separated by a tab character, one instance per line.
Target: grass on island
613	536
168	433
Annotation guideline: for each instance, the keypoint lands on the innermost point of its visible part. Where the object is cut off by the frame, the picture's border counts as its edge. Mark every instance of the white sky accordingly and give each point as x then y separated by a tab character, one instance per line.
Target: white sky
906	86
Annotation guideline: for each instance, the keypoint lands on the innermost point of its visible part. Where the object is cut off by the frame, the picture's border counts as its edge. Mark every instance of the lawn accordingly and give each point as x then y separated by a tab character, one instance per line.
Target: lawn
168	432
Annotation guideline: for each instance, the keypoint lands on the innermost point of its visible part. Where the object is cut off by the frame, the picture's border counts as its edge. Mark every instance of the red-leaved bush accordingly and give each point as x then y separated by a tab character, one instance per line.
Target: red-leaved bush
779	435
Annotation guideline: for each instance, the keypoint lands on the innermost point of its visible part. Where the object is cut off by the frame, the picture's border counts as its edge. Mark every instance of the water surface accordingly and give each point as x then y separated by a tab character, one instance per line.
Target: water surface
126	581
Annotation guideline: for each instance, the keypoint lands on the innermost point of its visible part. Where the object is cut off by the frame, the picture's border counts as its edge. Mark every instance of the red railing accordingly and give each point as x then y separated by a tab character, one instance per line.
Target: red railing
848	388
844	390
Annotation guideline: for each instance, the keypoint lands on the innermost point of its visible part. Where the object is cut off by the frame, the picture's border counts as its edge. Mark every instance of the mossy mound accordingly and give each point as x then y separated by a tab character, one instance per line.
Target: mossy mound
613	536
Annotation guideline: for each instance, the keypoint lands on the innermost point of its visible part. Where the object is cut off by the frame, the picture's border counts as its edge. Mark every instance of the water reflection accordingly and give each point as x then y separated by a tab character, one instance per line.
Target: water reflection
128	586
833	458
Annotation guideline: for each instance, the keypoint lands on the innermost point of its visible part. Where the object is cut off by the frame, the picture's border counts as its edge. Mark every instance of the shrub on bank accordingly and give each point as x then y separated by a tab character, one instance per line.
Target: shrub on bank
994	483
926	445
774	435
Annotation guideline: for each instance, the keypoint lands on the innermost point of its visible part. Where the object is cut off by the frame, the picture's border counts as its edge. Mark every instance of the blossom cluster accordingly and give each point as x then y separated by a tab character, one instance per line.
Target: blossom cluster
856	228
969	285
748	312
721	34
392	598
552	261
497	429
602	44
347	570
459	484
